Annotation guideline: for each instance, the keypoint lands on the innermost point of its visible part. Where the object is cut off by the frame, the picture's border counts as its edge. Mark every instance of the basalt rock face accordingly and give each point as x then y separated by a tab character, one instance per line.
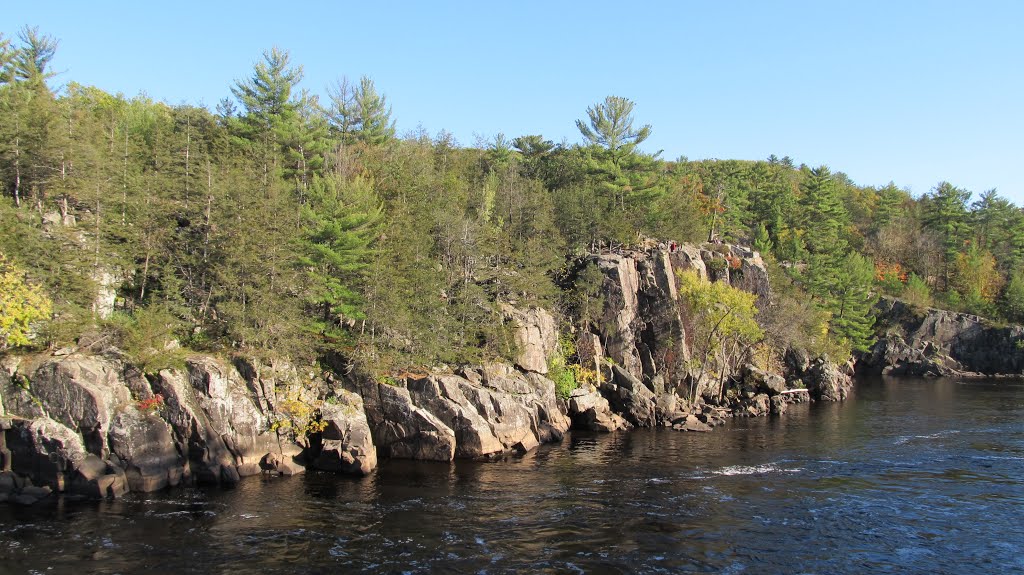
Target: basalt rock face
935	342
93	425
640	328
823	378
479	412
536	336
346	444
643	333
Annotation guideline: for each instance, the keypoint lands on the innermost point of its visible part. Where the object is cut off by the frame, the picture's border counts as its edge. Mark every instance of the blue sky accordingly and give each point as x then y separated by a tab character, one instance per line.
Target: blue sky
909	91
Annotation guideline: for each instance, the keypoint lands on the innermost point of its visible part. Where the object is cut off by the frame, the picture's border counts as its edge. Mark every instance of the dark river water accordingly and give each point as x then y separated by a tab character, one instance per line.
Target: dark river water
910	476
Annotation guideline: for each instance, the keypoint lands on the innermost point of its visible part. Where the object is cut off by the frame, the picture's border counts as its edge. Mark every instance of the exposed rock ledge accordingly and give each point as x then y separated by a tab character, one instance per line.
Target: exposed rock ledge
936	342
93	425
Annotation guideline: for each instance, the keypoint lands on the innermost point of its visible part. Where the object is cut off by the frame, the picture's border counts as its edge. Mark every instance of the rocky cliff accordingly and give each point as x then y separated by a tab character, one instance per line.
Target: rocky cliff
642	338
91	424
94	425
934	342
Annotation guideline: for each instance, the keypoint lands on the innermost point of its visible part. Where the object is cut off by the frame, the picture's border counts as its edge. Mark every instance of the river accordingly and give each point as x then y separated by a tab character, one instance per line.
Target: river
908	476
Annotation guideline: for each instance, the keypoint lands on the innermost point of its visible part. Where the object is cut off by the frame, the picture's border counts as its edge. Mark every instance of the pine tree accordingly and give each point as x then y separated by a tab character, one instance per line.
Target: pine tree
359	114
340	222
31	61
627	181
762	242
945	212
891	203
824	217
270	111
851	302
611	126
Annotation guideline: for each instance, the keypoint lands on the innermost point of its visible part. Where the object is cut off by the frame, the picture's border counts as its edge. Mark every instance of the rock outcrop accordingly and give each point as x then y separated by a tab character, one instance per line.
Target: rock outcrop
642	331
935	342
823	378
480	412
591	411
536	337
346	443
93	425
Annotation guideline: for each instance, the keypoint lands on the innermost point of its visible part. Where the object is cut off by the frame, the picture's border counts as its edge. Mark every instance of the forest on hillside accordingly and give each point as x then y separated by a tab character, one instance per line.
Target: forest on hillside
290	224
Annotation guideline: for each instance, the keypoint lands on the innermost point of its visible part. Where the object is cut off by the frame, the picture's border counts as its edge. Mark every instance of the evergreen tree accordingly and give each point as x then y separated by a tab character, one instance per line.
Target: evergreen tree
270	110
1013	298
341	220
762	242
627	180
824	216
359	114
945	212
31	61
891	202
851	303
611	126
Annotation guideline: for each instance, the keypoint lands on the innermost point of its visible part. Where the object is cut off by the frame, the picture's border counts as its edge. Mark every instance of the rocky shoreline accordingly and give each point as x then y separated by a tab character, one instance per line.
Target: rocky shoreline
88	423
92	426
938	343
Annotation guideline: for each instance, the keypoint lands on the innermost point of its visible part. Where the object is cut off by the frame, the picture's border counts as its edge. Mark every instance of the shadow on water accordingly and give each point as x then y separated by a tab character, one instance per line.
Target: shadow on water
910	476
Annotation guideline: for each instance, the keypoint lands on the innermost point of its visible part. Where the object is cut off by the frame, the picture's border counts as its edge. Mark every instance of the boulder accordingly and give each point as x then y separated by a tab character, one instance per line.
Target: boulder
758	406
82	393
827	381
589	410
762	381
690	423
550	416
778	404
347	444
688	257
444	398
17	398
630	398
276	463
510	416
96	478
45	450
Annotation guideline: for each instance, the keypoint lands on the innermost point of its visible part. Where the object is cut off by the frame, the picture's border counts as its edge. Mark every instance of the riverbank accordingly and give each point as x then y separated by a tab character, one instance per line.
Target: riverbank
908	475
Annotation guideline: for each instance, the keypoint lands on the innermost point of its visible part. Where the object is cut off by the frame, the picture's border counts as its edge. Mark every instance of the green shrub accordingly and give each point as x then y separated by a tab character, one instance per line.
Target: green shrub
564	378
916	292
148	338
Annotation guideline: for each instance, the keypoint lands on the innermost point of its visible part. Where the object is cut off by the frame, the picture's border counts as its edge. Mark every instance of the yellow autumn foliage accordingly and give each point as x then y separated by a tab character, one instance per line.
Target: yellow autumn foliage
21	305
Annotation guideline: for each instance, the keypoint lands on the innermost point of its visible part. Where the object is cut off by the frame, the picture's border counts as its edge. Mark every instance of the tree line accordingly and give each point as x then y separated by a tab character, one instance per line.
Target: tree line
288	224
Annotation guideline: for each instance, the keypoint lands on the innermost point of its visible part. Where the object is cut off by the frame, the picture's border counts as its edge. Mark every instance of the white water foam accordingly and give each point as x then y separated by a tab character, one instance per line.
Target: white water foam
754	469
906	438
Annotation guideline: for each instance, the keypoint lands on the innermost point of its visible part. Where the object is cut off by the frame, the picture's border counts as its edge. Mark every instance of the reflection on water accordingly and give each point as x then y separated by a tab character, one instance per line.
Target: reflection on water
910	476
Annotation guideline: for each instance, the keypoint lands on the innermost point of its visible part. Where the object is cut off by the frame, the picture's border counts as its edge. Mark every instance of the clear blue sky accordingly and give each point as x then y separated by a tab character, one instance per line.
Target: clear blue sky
909	91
